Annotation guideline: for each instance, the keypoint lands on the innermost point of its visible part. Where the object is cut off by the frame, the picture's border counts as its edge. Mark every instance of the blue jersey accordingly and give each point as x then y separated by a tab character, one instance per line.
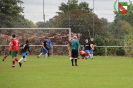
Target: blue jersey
48	42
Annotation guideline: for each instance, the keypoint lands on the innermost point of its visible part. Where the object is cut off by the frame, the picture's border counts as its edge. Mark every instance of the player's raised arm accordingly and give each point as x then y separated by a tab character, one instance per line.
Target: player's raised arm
92	46
21	45
92	43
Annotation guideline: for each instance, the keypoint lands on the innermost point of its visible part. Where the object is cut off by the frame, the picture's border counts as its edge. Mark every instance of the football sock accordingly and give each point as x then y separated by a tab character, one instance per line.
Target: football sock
13	63
72	61
16	59
40	54
75	61
20	59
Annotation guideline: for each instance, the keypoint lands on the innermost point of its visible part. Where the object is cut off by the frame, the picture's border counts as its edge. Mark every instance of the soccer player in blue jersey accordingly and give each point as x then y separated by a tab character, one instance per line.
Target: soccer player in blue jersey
44	48
89	47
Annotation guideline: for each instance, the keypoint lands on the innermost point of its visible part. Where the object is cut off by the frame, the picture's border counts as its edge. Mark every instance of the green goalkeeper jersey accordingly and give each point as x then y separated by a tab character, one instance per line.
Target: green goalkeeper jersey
74	44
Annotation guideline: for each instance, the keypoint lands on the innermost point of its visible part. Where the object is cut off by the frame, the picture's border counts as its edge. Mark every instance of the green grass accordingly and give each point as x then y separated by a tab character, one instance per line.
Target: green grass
57	72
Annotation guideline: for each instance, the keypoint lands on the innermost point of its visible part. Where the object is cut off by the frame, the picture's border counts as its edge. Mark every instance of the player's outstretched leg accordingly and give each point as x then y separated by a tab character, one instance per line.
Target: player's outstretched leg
20	64
5	56
25	57
13	63
39	55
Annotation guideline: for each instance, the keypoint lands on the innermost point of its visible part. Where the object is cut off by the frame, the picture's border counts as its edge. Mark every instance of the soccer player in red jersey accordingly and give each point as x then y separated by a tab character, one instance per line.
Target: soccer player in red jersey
7	52
83	54
14	47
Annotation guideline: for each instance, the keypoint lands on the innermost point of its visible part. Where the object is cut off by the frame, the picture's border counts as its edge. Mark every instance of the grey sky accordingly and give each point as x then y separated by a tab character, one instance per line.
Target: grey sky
34	8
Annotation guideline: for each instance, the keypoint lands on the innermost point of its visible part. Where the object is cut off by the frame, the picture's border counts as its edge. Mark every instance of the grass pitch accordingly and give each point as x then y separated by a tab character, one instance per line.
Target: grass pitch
57	72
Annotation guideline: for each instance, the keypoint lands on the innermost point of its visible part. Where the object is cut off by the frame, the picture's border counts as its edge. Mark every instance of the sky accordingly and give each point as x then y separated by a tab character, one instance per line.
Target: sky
33	9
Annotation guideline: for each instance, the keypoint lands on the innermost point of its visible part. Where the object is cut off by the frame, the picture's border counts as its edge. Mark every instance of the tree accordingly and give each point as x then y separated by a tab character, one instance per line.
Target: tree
10	16
104	22
128	18
128	42
123	27
10	7
46	24
40	24
80	22
73	4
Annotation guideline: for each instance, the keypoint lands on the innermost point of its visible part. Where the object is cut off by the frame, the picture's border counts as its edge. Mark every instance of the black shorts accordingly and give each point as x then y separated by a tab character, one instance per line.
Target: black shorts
74	53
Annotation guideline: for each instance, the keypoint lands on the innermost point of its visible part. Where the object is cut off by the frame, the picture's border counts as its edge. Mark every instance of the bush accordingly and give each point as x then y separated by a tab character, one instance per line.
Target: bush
120	52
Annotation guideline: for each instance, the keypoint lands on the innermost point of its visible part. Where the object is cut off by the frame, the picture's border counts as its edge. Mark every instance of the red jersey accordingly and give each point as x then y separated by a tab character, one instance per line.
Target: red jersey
15	44
83	53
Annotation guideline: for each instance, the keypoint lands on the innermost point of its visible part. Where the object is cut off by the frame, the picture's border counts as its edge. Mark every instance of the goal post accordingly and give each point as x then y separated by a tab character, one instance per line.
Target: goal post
58	36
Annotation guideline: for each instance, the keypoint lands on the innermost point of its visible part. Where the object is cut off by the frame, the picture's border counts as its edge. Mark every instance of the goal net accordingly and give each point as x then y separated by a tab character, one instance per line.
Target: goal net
58	36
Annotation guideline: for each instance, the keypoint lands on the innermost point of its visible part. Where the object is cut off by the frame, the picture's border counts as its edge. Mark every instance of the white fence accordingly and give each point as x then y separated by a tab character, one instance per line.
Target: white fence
105	47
